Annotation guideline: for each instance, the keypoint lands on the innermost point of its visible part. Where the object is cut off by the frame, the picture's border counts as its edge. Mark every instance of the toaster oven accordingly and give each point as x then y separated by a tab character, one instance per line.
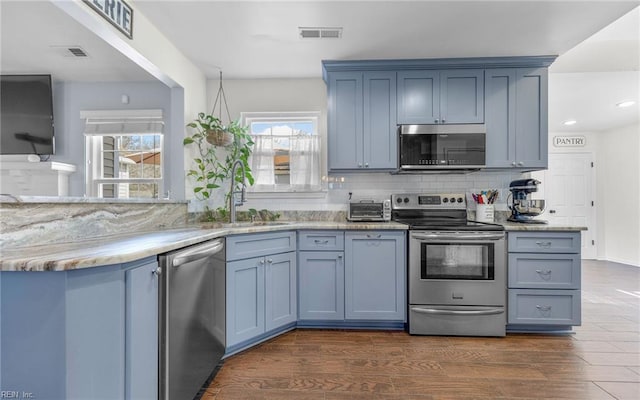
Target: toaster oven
369	210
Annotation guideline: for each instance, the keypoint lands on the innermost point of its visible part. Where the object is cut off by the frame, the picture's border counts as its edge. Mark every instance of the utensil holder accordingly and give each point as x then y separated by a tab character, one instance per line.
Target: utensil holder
484	213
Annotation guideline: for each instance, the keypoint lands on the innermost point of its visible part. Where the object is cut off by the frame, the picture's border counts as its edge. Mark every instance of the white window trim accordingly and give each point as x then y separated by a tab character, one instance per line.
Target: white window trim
292	193
92	150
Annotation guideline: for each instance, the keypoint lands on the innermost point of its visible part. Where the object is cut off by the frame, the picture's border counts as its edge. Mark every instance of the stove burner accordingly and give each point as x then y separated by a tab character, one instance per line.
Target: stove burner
444	212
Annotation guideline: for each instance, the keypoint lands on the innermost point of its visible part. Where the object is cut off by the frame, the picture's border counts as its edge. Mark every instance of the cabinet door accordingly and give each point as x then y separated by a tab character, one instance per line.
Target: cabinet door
418	97
531	118
380	128
245	299
141	331
500	121
345	136
375	281
280	290
321	285
462	96
95	333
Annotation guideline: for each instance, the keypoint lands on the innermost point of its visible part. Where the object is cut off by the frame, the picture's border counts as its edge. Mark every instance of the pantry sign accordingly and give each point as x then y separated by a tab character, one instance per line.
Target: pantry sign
569	141
117	12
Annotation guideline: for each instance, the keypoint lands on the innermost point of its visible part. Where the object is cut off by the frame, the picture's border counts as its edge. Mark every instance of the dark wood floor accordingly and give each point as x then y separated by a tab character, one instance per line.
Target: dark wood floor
600	361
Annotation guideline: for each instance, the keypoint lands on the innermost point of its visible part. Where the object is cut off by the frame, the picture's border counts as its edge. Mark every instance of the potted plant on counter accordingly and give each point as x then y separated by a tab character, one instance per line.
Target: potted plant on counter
218	147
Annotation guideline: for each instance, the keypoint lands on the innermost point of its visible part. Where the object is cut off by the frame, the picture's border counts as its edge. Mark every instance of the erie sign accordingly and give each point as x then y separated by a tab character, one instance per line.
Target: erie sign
569	141
117	12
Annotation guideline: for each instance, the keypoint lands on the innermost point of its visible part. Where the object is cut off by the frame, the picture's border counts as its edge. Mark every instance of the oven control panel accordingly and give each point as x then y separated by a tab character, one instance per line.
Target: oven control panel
419	201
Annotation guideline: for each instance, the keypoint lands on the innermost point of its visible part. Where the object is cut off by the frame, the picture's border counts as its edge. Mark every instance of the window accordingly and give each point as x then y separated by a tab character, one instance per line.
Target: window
124	157
286	154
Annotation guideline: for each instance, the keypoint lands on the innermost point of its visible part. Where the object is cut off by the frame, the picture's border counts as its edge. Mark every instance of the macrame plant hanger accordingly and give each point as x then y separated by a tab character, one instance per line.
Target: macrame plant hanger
220	137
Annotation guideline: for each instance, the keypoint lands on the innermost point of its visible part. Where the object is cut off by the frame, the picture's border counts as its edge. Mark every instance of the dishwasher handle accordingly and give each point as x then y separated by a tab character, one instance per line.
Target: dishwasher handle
197	253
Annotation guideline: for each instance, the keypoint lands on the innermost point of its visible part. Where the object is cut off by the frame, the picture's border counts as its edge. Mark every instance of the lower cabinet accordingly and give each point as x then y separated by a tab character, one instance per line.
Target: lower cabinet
375	276
82	334
321	284
261	291
544	280
352	276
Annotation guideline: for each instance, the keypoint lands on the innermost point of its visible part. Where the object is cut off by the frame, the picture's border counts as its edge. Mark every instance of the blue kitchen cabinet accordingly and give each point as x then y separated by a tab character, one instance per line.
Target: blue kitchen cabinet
82	334
362	120
321	285
441	97
245	299
141	329
516	118
112	331
261	286
280	290
375	276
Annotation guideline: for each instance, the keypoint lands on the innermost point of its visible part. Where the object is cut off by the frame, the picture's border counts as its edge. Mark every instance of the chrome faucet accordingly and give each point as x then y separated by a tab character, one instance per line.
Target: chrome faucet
243	191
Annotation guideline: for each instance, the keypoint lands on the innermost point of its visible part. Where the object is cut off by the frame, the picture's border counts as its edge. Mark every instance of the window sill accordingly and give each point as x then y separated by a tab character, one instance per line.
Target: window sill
287	195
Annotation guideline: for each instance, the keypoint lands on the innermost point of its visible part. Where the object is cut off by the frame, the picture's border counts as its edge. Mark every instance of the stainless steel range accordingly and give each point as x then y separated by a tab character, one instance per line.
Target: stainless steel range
457	268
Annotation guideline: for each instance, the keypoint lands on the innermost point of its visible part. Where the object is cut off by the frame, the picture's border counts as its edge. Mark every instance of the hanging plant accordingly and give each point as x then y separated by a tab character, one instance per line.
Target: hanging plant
218	146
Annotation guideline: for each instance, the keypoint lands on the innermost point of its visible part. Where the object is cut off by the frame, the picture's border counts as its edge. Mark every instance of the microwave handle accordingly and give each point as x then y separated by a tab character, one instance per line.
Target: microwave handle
446	236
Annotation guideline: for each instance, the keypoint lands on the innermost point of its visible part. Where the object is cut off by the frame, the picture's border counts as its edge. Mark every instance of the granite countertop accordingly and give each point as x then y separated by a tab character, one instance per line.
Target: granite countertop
134	246
514	226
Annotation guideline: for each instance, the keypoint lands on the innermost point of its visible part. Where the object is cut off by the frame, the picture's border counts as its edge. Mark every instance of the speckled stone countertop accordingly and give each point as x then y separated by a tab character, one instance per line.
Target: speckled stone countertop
514	226
129	247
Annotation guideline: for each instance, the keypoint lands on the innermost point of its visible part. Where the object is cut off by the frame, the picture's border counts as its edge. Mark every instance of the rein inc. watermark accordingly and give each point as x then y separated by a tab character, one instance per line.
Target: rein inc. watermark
16	394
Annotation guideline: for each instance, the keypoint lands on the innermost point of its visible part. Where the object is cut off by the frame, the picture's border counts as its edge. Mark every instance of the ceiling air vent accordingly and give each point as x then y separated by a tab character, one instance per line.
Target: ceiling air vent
77	52
320	33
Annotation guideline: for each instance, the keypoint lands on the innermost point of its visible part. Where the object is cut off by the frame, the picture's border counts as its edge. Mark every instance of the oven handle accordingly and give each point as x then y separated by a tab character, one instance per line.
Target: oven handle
446	236
491	311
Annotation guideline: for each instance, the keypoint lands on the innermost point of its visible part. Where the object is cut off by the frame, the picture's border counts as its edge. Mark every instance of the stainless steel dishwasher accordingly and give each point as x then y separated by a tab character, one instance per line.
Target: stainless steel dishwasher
192	318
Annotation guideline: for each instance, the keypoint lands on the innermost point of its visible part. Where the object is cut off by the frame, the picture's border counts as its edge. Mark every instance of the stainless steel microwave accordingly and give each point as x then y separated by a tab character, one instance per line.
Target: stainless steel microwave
441	147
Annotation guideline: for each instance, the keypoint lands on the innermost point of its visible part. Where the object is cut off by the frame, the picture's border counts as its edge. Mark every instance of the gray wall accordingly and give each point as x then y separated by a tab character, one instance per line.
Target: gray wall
71	98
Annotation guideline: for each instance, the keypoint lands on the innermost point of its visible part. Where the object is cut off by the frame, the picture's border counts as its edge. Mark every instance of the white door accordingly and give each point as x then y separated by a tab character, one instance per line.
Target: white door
568	189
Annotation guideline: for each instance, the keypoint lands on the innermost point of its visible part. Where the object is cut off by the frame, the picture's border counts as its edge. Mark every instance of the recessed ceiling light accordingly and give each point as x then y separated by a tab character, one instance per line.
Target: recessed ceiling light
570	122
626	104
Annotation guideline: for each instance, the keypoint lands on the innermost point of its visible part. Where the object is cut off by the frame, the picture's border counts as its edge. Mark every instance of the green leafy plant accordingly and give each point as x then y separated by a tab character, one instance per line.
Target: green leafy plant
215	159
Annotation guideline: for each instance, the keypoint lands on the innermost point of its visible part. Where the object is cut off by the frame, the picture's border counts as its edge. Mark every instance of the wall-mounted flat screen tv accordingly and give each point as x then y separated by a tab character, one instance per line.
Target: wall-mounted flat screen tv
26	115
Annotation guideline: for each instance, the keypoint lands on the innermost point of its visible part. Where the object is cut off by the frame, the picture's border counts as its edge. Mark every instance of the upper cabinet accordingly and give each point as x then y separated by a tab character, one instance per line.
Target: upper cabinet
441	97
516	118
369	99
362	121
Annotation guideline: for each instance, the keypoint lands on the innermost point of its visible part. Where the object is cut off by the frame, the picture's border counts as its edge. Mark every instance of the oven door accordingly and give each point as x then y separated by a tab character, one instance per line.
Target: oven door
457	268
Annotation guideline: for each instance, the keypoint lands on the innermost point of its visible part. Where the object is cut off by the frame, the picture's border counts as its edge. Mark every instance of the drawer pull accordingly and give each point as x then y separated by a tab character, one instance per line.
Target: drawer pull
318	241
372	236
544	308
543	244
544	274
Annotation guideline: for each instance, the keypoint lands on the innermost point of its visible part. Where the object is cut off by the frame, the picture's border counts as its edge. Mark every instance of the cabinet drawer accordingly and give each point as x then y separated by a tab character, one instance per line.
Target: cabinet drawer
544	271
321	240
544	242
544	307
259	244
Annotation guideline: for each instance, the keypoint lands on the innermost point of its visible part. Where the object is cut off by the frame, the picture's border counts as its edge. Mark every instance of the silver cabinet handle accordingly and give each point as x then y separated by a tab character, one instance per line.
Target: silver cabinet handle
318	241
520	163
157	271
543	308
261	262
359	165
544	272
543	244
270	261
374	236
513	163
339	256
435	311
366	165
442	121
437	121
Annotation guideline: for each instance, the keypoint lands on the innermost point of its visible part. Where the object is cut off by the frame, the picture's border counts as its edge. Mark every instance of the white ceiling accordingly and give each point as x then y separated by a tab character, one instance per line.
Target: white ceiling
259	39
